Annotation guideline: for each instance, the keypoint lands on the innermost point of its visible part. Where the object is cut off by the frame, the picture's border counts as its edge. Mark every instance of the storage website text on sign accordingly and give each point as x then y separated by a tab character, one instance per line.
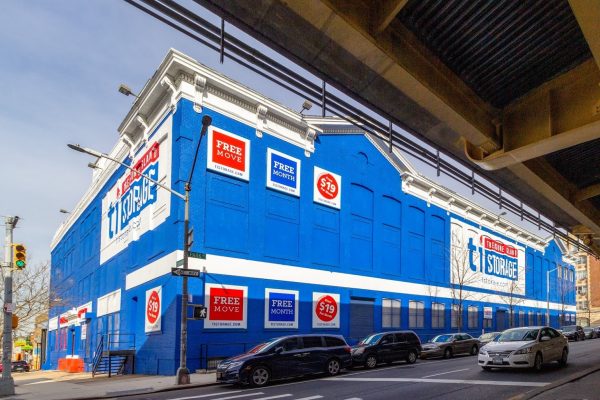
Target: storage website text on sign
281	309
153	310
228	153
227	306
327	188
283	172
326	310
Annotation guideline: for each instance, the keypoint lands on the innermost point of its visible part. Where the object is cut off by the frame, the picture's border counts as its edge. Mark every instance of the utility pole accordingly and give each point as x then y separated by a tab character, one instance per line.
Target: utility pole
7	384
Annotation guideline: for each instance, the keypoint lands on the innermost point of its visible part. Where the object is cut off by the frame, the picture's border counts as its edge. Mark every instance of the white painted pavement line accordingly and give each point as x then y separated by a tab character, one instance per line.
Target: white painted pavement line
37	383
447	381
310	398
447	372
273	397
219	394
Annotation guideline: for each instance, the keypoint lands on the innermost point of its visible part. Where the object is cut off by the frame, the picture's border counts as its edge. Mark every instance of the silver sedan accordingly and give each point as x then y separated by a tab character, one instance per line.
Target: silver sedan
528	347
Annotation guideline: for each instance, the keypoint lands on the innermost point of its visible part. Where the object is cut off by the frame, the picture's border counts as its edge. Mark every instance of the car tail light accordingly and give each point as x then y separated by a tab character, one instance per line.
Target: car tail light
348	349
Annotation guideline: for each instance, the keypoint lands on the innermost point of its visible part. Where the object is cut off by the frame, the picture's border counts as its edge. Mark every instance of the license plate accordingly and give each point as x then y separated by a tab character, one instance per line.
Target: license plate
497	360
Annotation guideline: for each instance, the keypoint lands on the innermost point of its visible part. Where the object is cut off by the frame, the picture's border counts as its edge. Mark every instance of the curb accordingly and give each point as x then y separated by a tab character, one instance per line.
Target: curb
571	378
143	391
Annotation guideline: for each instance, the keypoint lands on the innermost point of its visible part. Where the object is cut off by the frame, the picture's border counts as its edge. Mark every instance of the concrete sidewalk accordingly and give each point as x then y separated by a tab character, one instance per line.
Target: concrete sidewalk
55	385
582	385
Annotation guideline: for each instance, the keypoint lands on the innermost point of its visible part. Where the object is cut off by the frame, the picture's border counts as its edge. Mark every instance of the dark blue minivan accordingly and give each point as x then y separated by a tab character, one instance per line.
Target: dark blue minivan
287	357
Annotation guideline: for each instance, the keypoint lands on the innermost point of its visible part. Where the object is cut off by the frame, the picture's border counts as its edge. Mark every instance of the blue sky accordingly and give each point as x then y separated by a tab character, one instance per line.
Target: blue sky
61	63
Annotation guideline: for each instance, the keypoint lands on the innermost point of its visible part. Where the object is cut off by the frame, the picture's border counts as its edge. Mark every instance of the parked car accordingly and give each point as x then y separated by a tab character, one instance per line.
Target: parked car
449	345
22	366
590	333
597	330
387	347
17	366
287	357
488	337
527	347
573	332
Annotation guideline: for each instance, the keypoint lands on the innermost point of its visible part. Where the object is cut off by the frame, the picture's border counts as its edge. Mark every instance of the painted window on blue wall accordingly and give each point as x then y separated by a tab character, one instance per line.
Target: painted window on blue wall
438	311
437	228
416	243
227	217
390	313
326	236
416	314
473	317
454	312
521	318
361	236
282	226
391	217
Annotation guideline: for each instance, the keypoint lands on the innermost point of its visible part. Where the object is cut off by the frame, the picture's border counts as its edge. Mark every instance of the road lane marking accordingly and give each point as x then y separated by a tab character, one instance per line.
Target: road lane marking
273	397
447	372
219	394
447	381
311	397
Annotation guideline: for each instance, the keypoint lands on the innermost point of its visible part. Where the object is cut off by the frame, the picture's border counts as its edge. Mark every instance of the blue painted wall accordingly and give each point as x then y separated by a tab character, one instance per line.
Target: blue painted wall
379	232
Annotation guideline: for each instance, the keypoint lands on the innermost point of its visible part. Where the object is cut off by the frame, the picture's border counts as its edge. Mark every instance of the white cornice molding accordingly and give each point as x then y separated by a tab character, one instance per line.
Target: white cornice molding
421	187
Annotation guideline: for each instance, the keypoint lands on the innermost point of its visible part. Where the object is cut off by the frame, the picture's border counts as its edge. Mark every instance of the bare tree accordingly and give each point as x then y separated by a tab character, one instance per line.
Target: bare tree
462	277
511	297
31	295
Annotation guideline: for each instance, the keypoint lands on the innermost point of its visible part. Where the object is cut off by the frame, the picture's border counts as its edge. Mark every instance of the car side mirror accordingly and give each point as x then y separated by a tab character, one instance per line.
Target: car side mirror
278	350
545	338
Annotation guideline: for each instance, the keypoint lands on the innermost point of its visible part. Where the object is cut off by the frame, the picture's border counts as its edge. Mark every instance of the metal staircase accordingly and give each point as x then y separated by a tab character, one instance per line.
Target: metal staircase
115	355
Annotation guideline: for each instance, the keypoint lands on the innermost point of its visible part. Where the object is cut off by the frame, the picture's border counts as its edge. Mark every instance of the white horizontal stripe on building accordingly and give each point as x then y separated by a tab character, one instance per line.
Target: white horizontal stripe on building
271	271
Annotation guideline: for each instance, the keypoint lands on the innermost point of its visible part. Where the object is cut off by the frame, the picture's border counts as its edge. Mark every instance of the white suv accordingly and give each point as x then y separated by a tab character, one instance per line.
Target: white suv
527	347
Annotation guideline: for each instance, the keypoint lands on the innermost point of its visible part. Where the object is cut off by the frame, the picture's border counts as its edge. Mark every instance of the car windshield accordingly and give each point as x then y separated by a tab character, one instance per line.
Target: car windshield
518	335
372	339
569	328
488	336
261	348
442	338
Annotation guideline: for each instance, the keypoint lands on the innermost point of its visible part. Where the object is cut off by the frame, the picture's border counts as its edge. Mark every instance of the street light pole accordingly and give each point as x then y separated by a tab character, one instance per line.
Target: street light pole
548	295
183	374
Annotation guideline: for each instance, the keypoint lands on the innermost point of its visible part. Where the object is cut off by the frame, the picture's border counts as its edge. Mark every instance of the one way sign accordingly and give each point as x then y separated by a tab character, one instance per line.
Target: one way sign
194	273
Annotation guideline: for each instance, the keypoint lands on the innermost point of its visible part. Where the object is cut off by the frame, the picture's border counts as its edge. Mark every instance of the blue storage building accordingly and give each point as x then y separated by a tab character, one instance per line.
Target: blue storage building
307	225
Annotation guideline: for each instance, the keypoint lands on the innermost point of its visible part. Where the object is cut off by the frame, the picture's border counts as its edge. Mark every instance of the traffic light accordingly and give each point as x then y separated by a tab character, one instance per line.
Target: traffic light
19	256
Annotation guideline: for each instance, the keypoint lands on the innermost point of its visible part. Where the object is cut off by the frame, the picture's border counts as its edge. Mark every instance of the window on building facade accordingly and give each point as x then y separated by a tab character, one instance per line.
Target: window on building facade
437	315
581	274
531	318
390	313
521	318
454	316
62	338
539	319
583	260
473	313
416	314
487	323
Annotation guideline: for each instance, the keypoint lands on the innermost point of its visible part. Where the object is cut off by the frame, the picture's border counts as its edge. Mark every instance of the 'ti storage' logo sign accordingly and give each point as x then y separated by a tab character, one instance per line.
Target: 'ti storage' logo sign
228	153
281	309
283	172
227	306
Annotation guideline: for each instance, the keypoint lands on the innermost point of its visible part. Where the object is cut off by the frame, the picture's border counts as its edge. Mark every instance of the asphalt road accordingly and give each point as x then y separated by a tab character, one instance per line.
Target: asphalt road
459	378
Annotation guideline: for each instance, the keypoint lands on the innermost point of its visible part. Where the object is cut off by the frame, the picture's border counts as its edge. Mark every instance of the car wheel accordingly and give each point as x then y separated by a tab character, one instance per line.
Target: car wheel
474	350
564	358
371	361
259	376
448	352
411	358
537	363
487	369
333	367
